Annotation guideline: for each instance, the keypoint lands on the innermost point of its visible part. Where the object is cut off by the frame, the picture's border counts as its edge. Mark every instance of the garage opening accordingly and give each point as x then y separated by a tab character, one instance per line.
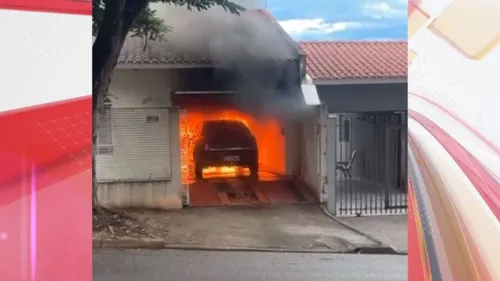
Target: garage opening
216	153
270	143
203	113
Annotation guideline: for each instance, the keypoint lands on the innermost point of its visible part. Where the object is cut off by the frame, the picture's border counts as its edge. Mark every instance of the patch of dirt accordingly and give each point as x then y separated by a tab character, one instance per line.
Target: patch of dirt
118	224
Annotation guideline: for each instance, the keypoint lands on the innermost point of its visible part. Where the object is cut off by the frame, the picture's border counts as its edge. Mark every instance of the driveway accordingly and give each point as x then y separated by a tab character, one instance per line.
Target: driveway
296	227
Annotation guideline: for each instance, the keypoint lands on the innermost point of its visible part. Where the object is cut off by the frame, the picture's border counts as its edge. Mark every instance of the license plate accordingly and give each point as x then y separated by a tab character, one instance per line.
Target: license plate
231	158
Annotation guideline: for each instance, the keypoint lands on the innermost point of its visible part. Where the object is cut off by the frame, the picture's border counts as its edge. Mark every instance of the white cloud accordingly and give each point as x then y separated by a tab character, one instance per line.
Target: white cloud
381	10
316	26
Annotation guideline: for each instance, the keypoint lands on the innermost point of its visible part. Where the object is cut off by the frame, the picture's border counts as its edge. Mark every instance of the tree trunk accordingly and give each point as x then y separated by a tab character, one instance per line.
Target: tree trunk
119	15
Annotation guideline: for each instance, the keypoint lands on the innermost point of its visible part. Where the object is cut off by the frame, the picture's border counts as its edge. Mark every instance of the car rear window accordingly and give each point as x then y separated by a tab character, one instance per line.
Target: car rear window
223	128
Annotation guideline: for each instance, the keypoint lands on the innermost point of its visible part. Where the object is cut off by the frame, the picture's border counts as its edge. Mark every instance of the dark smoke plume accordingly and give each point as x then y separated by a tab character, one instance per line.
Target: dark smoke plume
250	45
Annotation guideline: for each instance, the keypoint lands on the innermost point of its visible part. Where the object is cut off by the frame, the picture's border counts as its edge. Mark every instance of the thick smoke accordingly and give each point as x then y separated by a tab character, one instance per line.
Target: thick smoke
248	44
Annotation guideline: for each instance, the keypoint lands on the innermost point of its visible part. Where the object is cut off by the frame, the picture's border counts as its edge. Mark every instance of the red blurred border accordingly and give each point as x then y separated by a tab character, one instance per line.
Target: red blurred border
79	7
30	140
486	185
491	145
482	180
414	5
415	253
54	223
45	180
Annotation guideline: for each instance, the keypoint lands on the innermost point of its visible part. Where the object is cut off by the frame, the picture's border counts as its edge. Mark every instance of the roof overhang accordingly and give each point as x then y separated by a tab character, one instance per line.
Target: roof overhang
137	66
360	81
204	92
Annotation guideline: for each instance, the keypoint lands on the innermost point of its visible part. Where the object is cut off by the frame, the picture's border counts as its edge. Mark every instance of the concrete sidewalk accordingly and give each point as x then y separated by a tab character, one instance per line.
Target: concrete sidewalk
389	229
288	228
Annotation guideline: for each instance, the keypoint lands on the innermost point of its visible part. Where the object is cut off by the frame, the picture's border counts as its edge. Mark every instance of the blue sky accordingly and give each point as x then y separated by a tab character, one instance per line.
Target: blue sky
341	19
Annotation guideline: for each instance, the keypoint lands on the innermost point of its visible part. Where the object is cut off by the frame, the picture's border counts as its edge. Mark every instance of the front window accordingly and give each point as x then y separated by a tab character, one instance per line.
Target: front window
105	132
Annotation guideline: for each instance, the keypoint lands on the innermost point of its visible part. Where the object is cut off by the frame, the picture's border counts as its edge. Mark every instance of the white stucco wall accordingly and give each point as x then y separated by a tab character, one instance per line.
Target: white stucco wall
142	88
146	89
292	146
312	150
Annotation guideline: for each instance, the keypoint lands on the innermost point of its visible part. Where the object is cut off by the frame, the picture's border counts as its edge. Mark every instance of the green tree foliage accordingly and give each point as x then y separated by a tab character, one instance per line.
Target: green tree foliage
147	25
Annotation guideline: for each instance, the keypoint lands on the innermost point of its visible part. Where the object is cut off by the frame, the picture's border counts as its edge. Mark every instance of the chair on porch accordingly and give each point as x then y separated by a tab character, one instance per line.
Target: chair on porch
345	166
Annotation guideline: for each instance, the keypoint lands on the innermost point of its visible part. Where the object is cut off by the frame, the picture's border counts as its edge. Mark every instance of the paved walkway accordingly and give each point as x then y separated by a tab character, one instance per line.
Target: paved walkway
298	227
390	229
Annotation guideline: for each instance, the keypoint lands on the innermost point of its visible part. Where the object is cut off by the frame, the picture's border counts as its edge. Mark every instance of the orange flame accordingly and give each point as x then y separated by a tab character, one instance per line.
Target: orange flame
270	142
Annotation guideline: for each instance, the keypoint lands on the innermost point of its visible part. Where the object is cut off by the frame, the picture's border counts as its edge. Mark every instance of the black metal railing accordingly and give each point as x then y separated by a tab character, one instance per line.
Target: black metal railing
371	165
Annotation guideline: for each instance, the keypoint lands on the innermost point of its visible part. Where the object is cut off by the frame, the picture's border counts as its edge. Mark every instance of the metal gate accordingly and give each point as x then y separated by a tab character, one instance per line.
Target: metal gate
370	163
184	150
134	145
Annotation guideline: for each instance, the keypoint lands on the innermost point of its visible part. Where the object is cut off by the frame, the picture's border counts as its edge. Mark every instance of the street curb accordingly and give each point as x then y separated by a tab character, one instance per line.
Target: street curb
383	248
127	244
160	245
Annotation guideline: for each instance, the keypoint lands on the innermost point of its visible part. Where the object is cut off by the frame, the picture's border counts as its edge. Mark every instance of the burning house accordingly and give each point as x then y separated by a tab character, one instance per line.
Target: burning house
213	67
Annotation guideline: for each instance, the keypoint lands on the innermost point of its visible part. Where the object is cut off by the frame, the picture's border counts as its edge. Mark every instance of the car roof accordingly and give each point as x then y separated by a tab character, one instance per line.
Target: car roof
224	121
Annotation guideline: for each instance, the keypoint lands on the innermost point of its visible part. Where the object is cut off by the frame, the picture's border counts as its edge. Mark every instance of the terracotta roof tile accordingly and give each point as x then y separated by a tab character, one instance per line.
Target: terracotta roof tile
331	60
156	52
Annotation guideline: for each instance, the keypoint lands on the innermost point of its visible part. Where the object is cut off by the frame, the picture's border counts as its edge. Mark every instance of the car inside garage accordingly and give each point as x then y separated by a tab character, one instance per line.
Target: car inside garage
231	156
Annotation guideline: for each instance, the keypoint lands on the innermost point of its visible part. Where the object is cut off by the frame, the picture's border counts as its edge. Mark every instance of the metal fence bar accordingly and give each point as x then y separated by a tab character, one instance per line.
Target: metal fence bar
375	180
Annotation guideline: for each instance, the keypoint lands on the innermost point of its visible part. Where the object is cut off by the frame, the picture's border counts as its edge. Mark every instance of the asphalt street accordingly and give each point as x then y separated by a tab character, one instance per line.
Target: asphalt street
172	265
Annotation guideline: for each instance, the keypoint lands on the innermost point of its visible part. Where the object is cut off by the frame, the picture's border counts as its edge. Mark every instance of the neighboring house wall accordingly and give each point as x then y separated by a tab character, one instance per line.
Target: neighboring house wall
312	150
143	169
364	97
